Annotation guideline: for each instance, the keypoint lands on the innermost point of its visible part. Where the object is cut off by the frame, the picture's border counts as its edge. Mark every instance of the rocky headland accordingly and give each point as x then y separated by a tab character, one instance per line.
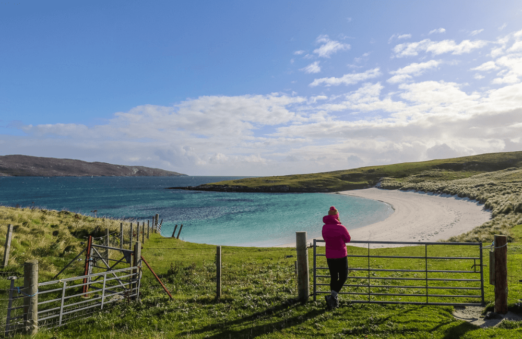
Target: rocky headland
28	166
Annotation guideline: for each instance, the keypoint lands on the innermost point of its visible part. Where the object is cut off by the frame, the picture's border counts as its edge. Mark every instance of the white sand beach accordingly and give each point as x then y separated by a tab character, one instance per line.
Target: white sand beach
418	216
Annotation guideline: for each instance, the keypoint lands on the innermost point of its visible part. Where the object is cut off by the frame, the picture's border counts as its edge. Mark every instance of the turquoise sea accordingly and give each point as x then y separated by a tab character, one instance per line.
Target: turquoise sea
221	218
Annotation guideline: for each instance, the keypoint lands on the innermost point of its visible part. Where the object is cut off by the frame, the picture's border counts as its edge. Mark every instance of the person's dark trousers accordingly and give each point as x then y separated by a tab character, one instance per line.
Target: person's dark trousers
338	273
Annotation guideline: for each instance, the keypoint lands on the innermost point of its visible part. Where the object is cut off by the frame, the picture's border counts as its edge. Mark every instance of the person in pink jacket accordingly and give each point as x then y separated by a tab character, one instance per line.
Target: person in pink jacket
335	236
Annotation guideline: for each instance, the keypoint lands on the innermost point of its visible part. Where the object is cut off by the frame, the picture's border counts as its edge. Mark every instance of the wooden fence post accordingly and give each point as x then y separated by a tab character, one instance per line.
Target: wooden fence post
218	272
121	235
501	283
142	232
130	237
31	296
136	262
174	233
302	267
180	228
148	229
7	245
156	221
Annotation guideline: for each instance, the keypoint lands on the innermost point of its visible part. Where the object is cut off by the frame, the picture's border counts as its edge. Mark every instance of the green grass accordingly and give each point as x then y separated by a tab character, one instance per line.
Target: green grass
259	290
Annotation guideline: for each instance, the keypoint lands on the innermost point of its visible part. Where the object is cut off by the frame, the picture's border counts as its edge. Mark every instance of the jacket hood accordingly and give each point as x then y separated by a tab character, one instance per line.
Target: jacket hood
331	219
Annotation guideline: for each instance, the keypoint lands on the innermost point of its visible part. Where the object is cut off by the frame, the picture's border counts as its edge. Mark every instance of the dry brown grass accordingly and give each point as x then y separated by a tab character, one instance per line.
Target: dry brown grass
50	236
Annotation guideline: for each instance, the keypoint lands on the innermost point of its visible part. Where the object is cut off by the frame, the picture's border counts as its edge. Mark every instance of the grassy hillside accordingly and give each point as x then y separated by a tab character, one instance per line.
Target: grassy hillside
448	169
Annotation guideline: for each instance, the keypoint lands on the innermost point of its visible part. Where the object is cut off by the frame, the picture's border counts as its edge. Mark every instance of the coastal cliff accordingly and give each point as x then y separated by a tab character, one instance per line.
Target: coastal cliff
28	166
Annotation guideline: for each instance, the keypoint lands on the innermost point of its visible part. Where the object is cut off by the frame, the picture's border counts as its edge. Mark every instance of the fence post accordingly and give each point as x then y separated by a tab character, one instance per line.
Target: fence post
121	235
501	284
136	262
7	245
142	232
180	228
31	296
130	235
303	282
174	233
218	272
148	229
156	221
107	243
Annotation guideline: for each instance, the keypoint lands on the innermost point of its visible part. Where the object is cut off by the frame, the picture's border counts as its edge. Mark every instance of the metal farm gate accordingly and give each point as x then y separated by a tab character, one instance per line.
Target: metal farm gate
432	273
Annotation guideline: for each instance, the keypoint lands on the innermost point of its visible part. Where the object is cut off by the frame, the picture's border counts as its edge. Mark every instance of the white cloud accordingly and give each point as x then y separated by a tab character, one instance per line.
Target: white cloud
512	70
312	68
399	36
502	27
478	76
437	47
517	47
438	30
329	47
414	69
347	79
475	32
487	66
299	52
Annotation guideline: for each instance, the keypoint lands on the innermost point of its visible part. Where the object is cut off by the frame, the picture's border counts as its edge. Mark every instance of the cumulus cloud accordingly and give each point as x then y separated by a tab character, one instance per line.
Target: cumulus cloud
414	69
438	30
312	68
512	71
437	47
329	47
347	79
502	27
299	52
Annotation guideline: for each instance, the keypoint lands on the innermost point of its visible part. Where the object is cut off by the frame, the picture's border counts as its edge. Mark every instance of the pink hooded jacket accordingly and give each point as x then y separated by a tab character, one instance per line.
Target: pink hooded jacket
335	236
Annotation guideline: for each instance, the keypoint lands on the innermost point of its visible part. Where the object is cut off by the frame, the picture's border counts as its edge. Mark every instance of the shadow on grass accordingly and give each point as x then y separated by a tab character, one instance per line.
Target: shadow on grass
252	330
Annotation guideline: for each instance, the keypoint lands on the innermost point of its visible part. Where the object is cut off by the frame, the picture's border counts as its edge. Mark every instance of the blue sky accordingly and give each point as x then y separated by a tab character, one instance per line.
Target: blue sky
260	88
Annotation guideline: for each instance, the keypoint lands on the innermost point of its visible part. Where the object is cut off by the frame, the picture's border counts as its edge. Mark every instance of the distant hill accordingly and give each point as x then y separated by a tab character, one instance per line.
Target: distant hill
23	165
438	170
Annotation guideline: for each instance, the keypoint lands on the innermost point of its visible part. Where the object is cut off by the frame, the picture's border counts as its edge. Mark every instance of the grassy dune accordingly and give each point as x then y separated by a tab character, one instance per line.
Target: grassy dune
449	169
259	290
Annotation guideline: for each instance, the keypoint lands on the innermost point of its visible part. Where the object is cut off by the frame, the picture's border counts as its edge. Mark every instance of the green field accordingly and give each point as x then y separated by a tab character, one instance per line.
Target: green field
259	291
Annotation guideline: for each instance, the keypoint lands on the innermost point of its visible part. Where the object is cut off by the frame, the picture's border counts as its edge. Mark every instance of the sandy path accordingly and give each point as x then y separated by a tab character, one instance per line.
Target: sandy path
419	216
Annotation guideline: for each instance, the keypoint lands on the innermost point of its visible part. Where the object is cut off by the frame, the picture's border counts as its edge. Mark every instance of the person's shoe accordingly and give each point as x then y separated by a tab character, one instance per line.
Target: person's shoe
335	302
329	304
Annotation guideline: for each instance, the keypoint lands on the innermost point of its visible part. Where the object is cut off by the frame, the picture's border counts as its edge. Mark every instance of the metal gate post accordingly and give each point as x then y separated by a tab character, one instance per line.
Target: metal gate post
63	301
315	270
482	276
369	288
8	320
103	291
426	263
87	270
